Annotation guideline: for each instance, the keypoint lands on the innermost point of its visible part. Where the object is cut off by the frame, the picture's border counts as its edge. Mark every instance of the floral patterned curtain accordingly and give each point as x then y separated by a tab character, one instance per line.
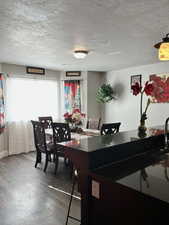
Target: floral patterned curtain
72	95
2	106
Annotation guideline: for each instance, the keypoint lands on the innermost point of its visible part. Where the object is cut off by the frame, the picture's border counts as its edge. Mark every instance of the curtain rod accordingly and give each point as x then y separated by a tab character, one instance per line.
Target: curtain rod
72	79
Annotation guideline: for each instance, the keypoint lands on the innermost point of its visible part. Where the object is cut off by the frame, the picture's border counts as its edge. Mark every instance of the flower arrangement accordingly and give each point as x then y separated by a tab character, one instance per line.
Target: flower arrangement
138	89
74	118
148	89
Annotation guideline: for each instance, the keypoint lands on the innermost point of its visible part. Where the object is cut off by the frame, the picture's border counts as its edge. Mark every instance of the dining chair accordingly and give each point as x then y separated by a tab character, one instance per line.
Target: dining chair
47	121
61	133
42	147
109	128
93	123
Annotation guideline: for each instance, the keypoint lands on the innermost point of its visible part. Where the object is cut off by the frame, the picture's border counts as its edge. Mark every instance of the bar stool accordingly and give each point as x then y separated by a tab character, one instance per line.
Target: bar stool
75	175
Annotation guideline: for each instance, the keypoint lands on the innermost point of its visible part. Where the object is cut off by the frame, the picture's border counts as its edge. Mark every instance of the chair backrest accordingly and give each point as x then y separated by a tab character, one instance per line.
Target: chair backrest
47	120
61	132
39	136
110	128
93	123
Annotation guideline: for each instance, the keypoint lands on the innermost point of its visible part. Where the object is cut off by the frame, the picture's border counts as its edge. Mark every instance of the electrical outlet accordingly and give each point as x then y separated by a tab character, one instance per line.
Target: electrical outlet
95	189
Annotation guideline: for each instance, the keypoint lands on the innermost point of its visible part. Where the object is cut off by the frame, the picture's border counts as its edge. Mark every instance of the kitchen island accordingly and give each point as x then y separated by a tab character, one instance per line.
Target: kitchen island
133	192
103	161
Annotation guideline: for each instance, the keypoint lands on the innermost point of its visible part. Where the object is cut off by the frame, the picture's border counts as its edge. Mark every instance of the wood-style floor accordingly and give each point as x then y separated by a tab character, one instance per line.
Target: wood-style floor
27	196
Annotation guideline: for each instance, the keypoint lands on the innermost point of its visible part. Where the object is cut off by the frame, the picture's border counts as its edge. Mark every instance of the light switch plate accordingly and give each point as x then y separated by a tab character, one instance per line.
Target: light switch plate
95	189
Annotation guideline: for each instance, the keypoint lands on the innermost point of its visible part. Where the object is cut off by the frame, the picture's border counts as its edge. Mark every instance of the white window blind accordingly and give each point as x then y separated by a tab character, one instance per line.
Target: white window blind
27	99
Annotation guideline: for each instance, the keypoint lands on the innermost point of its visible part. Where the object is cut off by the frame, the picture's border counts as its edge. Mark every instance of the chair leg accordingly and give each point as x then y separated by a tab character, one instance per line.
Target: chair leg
46	162
66	161
56	159
38	158
49	158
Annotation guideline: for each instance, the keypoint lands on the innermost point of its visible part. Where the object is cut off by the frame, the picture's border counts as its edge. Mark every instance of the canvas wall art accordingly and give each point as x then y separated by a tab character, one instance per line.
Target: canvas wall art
135	79
160	93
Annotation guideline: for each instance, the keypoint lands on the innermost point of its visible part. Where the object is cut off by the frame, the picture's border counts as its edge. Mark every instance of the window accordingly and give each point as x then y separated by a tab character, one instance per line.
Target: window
72	95
28	99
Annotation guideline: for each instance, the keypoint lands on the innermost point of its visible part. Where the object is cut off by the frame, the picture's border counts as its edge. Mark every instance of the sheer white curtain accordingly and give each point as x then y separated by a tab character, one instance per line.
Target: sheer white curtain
27	99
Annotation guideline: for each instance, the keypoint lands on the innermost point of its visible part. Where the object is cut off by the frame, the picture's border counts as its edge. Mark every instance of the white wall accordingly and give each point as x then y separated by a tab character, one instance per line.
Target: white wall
94	81
18	70
126	107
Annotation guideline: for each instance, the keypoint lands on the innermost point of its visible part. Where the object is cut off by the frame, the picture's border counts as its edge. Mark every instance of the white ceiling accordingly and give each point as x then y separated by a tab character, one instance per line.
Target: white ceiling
118	33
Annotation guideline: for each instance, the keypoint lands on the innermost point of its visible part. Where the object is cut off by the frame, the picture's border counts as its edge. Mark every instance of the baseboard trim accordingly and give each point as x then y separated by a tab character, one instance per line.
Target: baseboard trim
3	154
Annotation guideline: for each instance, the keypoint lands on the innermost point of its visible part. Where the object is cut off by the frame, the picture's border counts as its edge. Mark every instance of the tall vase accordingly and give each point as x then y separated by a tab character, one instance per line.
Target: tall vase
142	128
73	127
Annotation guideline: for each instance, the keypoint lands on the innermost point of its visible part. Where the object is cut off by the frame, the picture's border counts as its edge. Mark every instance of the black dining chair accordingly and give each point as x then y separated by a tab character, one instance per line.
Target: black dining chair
110	128
42	147
93	123
47	121
61	133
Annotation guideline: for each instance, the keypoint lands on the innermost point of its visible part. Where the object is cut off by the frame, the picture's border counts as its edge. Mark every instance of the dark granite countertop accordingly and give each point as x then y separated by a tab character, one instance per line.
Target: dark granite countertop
148	174
90	144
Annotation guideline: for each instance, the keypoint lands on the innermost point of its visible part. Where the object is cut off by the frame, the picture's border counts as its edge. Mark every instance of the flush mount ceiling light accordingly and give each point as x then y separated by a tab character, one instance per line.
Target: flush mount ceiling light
80	54
163	47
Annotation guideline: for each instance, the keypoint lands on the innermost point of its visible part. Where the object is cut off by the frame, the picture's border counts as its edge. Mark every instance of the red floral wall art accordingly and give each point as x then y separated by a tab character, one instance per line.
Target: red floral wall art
160	92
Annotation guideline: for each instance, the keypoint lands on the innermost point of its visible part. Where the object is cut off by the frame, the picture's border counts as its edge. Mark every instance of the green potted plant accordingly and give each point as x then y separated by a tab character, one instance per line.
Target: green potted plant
105	93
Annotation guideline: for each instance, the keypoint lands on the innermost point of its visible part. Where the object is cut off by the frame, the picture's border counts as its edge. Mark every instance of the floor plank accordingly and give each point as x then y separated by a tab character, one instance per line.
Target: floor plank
25	195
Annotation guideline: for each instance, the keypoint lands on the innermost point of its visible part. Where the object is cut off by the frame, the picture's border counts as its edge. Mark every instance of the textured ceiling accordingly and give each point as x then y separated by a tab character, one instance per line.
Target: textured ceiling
117	33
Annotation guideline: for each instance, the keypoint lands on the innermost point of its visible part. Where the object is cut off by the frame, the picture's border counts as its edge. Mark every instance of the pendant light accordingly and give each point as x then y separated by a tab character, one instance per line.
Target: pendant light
163	46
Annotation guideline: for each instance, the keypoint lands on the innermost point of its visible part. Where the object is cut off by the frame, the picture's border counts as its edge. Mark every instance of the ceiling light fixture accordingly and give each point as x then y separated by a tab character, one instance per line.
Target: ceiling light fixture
163	47
80	54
